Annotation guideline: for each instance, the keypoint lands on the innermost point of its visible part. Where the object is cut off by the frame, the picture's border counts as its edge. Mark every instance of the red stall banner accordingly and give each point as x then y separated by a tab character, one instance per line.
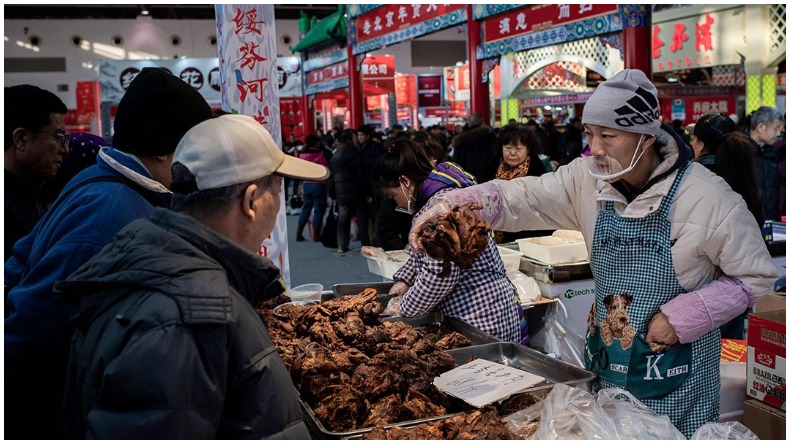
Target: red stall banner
86	102
429	90
537	18
373	103
327	73
405	89
378	74
392	18
697	106
462	83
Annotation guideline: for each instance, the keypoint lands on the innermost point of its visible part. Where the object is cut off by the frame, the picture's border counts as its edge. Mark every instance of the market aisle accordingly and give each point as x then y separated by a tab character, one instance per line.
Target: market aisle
312	262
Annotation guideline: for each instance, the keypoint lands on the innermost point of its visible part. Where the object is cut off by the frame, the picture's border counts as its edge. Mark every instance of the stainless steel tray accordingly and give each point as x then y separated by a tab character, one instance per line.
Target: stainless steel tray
527	359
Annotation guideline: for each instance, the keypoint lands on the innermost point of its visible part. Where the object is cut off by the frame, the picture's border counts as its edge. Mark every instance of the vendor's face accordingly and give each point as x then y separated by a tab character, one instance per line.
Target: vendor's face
514	153
621	146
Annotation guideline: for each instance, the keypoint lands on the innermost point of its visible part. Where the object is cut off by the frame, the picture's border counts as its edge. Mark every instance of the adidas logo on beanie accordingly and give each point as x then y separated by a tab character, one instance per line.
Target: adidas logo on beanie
627	102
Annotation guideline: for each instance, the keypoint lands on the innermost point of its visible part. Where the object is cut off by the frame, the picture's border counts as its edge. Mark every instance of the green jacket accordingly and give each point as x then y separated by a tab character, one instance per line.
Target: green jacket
168	344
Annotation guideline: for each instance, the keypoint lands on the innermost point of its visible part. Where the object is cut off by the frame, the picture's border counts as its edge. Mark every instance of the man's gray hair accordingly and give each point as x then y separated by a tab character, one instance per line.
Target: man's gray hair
766	115
215	200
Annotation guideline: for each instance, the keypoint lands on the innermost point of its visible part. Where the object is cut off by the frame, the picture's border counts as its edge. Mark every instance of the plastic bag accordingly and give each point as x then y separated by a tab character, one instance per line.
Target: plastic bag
526	287
572	413
634	420
393	307
724	430
557	341
524	423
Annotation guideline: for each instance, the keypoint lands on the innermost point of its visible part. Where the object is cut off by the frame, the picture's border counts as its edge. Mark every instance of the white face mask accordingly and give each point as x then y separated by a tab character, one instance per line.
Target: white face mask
409	199
609	169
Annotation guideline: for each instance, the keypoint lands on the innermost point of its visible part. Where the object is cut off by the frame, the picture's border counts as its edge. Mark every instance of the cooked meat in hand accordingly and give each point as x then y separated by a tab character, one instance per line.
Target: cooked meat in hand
458	237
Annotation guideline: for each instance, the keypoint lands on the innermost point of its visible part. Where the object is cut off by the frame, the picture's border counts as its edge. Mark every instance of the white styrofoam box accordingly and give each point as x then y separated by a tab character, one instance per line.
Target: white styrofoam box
733	388
553	250
511	259
383	267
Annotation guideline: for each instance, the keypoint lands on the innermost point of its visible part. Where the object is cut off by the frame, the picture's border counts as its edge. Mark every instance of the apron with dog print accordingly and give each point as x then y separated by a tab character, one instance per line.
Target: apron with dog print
631	261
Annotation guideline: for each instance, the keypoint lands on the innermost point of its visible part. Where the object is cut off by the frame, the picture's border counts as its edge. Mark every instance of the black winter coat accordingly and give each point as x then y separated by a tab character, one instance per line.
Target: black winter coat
168	344
348	181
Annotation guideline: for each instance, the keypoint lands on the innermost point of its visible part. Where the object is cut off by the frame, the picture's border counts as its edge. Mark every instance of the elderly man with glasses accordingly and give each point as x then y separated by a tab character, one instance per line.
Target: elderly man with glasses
35	141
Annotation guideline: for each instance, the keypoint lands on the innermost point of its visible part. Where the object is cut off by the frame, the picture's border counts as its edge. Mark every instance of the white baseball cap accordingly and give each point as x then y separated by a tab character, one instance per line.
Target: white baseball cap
234	149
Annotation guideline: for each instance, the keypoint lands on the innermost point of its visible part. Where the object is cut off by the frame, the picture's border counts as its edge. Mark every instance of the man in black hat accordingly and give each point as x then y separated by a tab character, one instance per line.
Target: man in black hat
127	182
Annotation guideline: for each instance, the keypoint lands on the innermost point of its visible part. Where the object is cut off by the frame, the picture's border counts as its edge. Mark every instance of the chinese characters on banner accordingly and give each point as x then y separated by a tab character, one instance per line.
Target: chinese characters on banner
378	75
391	18
537	18
709	39
246	42
462	83
86	102
690	109
327	73
405	90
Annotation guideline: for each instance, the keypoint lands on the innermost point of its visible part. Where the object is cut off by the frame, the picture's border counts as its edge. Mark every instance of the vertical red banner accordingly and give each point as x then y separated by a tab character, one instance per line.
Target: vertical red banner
86	102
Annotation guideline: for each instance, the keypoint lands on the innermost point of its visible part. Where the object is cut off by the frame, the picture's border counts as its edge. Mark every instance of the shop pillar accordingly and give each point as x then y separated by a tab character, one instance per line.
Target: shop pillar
636	44
478	102
356	103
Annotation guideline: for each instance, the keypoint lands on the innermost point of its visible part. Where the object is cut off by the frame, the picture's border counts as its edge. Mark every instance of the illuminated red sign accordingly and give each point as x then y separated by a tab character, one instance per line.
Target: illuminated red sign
429	90
325	74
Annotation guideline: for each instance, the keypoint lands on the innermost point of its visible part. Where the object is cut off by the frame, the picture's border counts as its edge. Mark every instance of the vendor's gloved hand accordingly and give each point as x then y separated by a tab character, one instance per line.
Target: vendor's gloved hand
660	331
486	195
400	288
393	307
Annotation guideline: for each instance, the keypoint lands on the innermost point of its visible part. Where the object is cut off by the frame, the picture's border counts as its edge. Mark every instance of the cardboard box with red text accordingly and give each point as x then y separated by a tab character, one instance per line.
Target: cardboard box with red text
766	369
765	421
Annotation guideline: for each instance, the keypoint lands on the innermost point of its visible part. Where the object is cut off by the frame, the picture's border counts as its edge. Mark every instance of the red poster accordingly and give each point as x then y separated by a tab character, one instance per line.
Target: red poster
391	18
331	72
537	18
373	103
697	106
378	74
429	90
405	91
86	102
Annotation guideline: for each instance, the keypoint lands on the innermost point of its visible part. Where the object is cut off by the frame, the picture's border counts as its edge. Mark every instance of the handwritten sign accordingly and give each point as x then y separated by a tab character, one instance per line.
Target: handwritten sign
482	382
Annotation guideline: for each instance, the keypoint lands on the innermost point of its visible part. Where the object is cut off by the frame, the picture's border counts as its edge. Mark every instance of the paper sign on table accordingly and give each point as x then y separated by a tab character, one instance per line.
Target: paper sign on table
482	382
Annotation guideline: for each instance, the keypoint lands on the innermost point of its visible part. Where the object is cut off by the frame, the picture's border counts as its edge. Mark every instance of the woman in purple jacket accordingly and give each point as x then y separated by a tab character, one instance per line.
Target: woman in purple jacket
314	192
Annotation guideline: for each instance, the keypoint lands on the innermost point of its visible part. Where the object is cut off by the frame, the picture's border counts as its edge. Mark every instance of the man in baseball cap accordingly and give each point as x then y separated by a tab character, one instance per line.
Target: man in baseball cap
186	283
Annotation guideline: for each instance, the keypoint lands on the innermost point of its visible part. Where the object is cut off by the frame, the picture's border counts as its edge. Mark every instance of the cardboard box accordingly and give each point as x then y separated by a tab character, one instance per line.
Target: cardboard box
765	421
766	369
770	302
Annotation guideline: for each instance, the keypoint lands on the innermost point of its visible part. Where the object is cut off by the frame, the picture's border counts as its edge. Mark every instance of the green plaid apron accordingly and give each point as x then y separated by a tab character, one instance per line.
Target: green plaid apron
633	257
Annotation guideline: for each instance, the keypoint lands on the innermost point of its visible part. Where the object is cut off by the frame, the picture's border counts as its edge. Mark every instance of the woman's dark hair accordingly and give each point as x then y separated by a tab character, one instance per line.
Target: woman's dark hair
514	133
312	140
404	158
711	128
431	146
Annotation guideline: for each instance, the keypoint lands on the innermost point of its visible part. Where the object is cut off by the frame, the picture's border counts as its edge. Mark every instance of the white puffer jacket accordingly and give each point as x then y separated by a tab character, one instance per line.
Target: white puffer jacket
715	231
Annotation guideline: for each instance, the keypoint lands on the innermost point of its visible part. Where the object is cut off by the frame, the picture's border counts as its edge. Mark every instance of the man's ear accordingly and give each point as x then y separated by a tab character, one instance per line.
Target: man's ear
165	158
248	202
19	137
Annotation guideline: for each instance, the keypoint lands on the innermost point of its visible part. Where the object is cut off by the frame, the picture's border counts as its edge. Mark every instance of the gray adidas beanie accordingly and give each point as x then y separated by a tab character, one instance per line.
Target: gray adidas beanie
627	102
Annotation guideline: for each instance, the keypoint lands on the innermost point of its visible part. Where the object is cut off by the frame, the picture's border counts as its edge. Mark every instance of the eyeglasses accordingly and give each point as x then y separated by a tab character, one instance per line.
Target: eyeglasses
61	137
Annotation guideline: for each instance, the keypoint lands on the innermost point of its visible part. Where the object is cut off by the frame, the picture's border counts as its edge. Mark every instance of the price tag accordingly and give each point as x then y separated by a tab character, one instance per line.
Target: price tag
482	382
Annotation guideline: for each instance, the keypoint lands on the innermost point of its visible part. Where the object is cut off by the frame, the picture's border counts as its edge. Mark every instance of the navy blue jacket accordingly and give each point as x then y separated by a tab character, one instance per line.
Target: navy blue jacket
37	328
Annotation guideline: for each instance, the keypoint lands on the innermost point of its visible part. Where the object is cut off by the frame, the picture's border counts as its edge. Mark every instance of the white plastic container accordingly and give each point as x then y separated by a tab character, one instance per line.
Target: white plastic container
385	268
306	292
511	259
553	250
733	390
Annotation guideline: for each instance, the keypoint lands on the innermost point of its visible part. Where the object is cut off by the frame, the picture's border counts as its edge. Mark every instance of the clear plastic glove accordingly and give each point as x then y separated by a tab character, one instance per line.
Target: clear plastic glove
486	195
393	307
400	288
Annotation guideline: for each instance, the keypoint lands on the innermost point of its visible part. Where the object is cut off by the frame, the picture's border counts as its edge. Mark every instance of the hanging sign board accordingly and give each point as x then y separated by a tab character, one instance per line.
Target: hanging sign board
378	75
462	84
537	18
247	46
201	74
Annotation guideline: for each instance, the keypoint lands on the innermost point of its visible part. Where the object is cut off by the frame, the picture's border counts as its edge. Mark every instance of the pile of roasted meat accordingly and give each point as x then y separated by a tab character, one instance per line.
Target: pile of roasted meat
479	424
355	370
458	237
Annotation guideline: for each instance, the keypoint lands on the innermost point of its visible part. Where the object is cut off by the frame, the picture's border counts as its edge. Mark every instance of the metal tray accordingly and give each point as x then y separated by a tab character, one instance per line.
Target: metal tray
555	273
527	359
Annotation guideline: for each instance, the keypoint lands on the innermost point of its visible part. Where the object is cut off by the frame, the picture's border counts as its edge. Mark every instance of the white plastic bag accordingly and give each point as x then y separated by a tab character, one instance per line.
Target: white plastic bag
723	430
634	420
557	341
572	413
526	287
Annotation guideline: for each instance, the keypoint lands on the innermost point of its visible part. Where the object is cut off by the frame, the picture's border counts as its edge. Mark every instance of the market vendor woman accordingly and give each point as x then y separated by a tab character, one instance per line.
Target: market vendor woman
675	253
481	296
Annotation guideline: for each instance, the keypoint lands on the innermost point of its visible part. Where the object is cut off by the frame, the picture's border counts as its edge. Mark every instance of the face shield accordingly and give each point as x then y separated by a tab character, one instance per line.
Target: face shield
609	169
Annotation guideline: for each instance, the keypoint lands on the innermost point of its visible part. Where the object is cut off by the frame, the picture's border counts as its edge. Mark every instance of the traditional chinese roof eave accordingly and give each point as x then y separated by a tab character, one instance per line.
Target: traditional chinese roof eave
331	28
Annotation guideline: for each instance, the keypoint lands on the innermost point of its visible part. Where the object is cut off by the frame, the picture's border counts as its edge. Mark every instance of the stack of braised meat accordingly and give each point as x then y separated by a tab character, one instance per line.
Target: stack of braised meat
479	424
458	237
356	371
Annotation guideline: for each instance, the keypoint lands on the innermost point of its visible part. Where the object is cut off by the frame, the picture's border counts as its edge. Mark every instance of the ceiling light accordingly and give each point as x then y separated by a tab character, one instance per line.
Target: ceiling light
672	79
144	10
